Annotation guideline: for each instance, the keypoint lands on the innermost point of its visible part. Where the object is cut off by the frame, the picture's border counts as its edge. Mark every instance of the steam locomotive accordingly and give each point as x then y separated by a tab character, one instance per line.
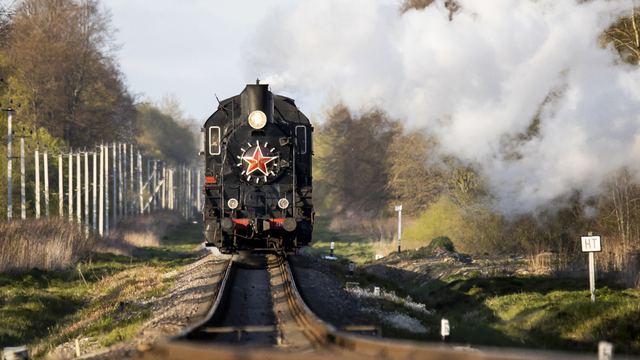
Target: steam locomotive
258	190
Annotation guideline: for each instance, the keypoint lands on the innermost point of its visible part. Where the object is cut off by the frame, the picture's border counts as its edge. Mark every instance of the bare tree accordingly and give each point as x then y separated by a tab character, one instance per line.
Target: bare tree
65	50
625	36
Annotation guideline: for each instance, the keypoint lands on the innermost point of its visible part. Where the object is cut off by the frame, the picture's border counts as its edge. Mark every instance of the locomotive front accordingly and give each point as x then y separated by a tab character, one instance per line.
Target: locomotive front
258	191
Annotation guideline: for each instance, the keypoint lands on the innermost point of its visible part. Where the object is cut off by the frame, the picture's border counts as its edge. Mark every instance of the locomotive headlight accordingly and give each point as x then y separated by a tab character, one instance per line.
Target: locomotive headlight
257	119
283	203
233	203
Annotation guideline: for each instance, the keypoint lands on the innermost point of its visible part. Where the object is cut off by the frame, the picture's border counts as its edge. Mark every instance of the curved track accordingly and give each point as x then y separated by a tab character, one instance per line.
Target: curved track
259	314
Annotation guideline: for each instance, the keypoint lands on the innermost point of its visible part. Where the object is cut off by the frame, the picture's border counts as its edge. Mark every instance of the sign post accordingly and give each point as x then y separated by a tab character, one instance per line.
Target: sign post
591	244
399	210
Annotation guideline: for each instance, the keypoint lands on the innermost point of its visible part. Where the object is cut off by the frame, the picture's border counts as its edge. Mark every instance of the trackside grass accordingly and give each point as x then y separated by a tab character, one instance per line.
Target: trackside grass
104	297
527	311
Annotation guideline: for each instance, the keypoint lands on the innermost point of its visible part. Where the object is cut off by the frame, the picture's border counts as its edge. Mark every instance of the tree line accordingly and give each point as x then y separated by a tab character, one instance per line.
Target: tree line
61	76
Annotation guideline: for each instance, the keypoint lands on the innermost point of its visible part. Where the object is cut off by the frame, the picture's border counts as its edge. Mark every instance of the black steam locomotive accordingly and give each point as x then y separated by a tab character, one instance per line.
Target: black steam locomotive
258	193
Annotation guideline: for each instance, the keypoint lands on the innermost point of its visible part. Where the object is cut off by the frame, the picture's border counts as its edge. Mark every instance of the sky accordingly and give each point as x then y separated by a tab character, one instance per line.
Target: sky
192	48
476	81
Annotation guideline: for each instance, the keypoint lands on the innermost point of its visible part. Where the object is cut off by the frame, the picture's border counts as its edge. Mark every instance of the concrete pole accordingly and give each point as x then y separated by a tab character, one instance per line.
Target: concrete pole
46	181
101	210
115	188
23	192
155	184
140	183
86	191
399	229
190	196
149	182
95	189
592	276
78	190
70	184
164	185
198	191
60	188
9	168
37	184
106	189
120	182
132	182
125	207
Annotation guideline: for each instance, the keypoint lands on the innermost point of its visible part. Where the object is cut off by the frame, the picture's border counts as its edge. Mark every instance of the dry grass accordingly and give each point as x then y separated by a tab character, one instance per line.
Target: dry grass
146	230
57	243
44	244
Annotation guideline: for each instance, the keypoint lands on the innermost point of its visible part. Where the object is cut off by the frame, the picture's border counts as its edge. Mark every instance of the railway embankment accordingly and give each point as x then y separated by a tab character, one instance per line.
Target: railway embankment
149	282
491	300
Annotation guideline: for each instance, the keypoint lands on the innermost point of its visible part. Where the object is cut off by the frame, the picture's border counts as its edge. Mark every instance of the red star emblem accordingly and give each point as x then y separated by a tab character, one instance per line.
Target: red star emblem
257	161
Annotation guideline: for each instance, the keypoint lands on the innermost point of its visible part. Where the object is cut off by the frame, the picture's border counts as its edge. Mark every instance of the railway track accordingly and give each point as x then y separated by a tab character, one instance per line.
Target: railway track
258	313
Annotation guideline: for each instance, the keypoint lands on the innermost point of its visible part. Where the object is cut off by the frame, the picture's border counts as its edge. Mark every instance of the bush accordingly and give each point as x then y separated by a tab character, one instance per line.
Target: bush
442	241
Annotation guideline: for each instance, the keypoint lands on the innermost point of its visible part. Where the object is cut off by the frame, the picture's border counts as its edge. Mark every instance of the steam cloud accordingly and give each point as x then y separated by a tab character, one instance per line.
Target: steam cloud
475	81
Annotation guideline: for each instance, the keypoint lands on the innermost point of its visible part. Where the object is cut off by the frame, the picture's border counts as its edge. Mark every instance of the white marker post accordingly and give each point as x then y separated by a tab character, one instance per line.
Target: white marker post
605	350
331	250
399	210
444	329
591	244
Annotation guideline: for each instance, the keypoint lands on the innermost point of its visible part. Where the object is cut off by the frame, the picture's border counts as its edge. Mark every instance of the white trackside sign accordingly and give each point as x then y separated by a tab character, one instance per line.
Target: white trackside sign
591	244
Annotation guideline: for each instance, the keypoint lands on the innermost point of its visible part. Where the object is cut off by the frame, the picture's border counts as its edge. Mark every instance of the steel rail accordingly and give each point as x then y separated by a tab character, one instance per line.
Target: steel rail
331	342
215	303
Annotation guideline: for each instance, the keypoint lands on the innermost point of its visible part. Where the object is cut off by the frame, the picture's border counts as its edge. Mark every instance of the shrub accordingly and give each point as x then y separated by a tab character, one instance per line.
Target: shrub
442	241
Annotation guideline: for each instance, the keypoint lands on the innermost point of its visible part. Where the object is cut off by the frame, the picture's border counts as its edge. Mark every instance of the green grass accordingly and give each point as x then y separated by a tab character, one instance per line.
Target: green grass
355	248
39	307
519	311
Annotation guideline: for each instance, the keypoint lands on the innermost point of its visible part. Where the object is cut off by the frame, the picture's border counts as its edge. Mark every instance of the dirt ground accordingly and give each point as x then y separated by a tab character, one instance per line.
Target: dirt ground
444	263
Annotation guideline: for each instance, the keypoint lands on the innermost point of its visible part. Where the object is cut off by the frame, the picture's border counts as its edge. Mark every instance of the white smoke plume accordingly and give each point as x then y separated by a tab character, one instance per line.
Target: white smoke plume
475	81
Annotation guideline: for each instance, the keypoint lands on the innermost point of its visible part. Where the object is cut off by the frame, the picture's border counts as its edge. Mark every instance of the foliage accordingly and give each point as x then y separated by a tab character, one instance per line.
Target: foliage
165	137
350	161
64	53
415	181
442	241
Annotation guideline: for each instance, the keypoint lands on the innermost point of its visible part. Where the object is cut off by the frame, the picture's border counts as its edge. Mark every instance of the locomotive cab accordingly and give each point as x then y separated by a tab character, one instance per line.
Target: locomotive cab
258	185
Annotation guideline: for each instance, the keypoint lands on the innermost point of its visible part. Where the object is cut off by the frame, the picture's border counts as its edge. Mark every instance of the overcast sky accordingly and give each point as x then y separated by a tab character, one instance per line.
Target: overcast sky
192	48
